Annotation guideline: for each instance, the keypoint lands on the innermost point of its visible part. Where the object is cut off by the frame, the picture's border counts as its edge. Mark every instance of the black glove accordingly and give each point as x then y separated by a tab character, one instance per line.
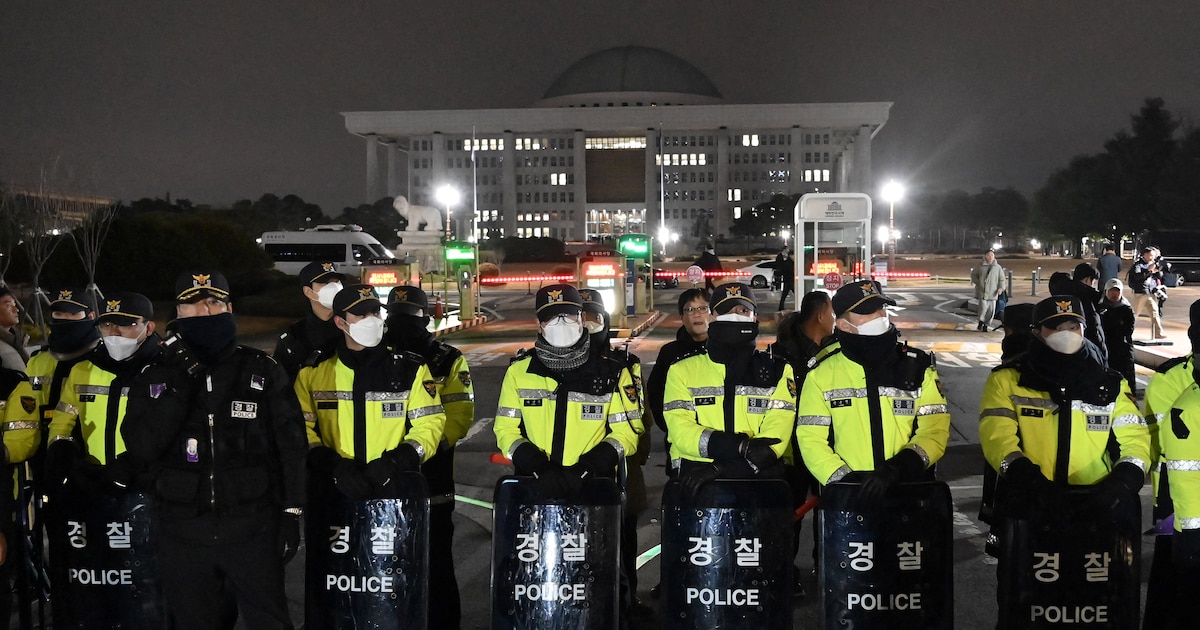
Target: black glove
691	482
723	445
601	461
1026	488
529	459
289	536
62	457
349	479
560	483
906	465
391	464
758	452
1120	485
322	459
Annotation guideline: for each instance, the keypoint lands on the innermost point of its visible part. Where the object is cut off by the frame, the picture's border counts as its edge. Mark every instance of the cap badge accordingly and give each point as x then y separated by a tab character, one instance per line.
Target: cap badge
65	295
734	291
1064	307
400	296
326	266
201	280
555	296
113	306
365	292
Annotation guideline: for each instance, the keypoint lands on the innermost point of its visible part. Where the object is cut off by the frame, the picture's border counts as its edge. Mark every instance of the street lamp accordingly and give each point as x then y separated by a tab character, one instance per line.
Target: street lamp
447	195
892	192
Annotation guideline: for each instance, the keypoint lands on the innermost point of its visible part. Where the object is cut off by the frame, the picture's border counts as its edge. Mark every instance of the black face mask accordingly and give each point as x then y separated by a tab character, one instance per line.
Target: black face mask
207	335
869	350
728	340
69	335
405	331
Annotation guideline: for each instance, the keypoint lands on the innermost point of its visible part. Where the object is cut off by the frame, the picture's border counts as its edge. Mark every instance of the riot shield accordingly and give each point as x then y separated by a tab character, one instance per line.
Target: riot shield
102	551
890	565
367	563
1075	565
727	555
555	565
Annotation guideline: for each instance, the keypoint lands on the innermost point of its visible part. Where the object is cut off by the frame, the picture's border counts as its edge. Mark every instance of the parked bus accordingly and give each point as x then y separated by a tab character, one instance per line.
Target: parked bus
347	246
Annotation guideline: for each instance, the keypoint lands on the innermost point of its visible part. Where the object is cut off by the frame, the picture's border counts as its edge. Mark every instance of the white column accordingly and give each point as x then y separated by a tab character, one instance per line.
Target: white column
372	168
393	166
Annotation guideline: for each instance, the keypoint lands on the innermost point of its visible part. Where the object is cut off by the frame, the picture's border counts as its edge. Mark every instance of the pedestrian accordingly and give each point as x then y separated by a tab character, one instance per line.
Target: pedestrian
730	409
1038	418
787	280
710	263
1108	265
988	279
220	424
596	321
777	269
561	373
13	340
872	409
1167	584
315	332
407	330
1144	280
1116	317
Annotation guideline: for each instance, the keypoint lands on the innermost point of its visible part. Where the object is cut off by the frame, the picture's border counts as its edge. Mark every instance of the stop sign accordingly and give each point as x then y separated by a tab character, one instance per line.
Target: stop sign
833	281
695	274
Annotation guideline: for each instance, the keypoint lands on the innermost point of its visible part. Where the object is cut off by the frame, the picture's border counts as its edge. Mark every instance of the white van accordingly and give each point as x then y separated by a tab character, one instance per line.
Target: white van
347	246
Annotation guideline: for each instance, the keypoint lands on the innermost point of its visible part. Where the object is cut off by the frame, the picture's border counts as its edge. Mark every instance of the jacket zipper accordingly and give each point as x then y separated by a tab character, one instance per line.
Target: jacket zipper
212	455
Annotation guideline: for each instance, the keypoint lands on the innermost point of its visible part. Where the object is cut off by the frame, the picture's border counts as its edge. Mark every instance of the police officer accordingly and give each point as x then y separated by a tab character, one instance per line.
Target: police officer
565	414
407	330
871	409
21	437
354	438
84	445
596	321
730	410
315	332
73	334
221	424
1172	380
1036	435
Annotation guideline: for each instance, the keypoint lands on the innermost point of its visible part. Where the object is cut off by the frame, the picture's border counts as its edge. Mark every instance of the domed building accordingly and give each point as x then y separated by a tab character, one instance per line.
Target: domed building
586	161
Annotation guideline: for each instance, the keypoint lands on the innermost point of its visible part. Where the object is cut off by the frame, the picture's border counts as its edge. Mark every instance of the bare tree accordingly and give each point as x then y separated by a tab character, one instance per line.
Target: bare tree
89	239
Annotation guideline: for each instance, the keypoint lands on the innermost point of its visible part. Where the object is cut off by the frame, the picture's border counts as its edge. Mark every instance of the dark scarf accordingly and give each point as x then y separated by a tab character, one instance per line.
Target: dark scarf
731	342
563	359
871	352
209	335
1079	374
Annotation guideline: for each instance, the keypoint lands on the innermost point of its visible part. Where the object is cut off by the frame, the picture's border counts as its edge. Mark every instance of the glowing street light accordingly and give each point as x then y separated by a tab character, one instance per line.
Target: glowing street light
447	195
892	192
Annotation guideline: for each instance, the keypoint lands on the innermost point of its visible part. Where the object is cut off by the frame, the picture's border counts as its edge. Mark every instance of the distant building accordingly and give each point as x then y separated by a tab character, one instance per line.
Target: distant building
587	159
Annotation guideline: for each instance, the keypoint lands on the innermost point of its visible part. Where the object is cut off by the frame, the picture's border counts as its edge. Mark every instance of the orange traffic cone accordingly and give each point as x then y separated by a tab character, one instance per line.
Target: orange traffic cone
438	310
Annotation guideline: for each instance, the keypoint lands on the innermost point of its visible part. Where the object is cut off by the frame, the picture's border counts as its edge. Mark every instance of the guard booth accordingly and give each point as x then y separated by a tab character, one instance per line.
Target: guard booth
386	273
605	271
463	267
639	271
833	231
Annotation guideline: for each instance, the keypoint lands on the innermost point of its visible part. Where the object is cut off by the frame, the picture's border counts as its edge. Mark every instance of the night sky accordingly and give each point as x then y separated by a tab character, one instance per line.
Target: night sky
218	101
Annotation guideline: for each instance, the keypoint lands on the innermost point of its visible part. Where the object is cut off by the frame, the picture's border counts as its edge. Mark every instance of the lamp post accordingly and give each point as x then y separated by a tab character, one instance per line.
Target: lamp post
447	195
892	192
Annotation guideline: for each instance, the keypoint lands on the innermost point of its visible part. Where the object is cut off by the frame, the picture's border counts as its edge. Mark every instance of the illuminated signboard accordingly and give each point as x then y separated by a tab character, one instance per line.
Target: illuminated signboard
634	245
457	250
600	270
383	278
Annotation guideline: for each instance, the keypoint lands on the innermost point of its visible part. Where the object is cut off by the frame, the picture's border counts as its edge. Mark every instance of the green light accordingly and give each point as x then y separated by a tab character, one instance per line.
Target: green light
636	245
458	250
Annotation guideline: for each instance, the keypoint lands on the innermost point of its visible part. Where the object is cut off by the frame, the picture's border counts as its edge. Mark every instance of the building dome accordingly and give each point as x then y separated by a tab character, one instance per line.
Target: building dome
631	75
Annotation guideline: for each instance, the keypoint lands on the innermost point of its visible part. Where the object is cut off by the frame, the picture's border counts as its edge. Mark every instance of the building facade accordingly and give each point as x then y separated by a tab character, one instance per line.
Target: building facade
626	140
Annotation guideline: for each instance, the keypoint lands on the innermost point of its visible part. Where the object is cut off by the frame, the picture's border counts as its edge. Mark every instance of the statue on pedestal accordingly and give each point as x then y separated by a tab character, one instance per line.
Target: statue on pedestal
418	216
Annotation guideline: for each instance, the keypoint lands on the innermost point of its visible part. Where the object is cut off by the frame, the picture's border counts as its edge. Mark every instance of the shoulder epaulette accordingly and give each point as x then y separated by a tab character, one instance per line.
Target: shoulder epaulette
523	353
821	358
317	357
1169	364
694	352
442	359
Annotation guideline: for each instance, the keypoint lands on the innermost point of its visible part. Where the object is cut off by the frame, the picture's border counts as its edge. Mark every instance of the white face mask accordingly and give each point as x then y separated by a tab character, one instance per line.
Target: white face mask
735	317
593	327
367	332
875	327
325	295
562	333
121	348
1065	341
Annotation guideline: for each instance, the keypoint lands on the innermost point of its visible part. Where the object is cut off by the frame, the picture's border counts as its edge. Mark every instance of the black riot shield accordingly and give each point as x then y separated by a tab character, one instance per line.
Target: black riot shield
367	564
102	560
1076	565
727	556
890	565
555	565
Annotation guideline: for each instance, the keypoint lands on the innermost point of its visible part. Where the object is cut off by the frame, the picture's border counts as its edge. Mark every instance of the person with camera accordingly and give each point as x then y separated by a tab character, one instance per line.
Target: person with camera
1145	280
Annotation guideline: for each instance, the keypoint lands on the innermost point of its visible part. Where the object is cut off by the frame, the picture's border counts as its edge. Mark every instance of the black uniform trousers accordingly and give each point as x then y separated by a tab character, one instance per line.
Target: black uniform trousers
198	575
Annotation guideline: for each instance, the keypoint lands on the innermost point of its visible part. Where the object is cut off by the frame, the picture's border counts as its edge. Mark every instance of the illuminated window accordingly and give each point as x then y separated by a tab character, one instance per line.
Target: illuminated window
737	212
825	174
